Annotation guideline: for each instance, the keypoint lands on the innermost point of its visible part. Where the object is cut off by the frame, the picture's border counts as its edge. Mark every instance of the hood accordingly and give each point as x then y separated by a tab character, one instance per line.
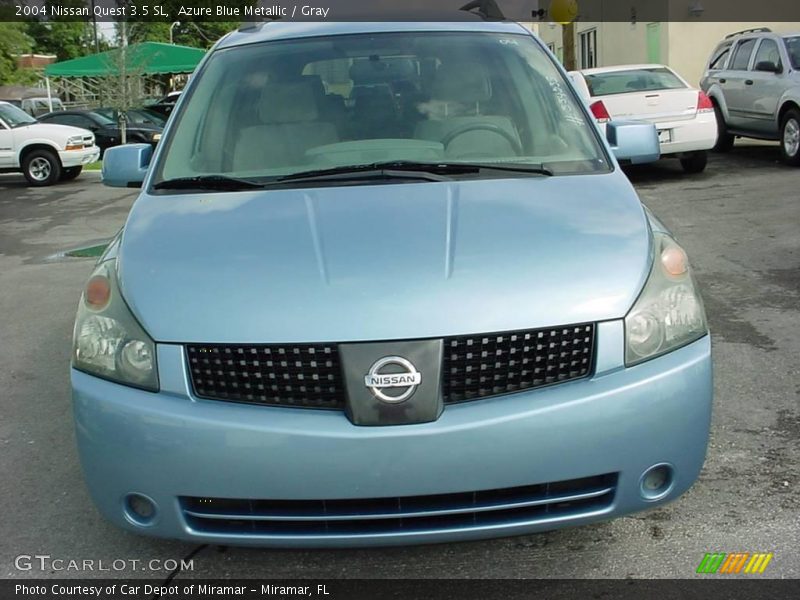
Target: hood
384	262
52	131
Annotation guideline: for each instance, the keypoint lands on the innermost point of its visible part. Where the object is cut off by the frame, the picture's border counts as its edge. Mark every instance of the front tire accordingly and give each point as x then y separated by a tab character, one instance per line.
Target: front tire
790	137
695	162
724	139
70	173
41	168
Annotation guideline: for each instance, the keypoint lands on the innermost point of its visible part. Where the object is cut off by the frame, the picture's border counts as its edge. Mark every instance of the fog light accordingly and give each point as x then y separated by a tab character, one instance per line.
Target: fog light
656	482
140	509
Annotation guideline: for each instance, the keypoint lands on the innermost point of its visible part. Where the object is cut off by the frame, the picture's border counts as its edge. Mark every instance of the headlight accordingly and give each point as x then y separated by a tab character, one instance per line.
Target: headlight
75	143
669	312
107	340
156	137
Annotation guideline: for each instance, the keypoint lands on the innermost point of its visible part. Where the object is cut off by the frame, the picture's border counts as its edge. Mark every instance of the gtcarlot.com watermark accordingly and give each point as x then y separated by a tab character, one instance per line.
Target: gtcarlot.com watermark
46	562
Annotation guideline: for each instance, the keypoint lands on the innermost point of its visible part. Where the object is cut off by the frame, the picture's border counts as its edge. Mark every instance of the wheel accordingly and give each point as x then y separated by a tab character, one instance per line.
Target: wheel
695	162
790	137
724	139
513	142
41	167
70	173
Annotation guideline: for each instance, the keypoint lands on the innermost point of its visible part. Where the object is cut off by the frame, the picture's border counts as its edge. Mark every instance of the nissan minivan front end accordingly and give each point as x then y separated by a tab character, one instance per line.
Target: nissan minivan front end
386	284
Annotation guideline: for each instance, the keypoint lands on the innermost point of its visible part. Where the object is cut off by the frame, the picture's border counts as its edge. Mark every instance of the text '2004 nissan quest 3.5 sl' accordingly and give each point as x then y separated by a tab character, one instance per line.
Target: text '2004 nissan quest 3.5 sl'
385	283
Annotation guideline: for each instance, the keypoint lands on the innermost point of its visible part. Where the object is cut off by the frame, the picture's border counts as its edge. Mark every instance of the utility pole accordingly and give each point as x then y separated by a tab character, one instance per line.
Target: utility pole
123	71
568	43
94	29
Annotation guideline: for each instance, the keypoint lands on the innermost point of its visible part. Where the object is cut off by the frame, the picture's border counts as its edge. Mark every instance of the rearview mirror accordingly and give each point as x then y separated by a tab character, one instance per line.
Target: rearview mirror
126	166
633	141
768	66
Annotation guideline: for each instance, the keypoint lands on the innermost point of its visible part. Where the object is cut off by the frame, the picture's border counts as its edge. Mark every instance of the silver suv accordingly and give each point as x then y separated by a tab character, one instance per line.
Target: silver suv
753	79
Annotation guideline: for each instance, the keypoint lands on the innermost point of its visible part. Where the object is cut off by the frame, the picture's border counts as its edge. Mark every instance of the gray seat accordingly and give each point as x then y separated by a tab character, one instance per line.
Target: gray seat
290	125
460	95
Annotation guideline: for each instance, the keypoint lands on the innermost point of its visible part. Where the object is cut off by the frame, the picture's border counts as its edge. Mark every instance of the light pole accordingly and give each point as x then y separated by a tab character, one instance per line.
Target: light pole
171	27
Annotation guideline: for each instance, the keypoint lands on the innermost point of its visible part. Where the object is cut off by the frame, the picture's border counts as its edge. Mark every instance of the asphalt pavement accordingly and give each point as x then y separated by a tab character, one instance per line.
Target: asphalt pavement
740	223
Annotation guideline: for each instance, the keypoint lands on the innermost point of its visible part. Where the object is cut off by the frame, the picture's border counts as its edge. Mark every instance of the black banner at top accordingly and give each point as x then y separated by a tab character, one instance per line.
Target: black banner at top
547	11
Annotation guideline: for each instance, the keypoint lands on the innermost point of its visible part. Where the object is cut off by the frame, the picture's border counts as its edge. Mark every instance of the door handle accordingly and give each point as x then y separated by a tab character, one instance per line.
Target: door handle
722	80
748	82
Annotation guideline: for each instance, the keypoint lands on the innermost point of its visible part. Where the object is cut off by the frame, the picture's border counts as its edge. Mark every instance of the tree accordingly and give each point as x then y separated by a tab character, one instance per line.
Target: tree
60	36
13	41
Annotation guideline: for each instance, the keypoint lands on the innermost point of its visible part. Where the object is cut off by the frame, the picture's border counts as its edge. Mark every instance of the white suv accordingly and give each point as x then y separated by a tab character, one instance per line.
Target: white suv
43	153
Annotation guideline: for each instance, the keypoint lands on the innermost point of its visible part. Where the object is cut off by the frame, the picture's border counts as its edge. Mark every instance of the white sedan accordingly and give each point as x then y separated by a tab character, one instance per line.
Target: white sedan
683	115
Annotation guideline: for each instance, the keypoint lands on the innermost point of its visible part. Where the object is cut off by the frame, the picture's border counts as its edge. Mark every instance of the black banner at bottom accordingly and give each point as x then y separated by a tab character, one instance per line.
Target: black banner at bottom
407	589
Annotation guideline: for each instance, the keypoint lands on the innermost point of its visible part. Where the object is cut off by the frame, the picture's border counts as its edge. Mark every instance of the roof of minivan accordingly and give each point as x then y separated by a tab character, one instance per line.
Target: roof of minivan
284	30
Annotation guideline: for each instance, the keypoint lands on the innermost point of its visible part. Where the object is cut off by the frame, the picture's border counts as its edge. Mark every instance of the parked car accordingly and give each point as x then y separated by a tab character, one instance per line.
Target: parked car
753	80
106	131
33	101
655	93
135	116
44	153
334	320
165	105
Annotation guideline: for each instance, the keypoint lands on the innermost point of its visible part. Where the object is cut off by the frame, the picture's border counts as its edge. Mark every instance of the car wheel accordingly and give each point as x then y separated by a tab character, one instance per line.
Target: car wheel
724	139
790	137
695	162
70	173
41	167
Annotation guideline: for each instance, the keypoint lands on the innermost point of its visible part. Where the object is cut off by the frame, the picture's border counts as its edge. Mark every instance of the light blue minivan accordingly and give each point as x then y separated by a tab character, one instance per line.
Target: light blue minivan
386	283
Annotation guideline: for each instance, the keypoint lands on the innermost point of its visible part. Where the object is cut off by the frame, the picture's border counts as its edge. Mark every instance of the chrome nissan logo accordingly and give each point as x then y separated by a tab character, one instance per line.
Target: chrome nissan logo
392	373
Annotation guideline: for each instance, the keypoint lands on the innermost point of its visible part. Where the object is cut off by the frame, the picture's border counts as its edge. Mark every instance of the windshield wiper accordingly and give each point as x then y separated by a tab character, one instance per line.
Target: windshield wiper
208	182
406	169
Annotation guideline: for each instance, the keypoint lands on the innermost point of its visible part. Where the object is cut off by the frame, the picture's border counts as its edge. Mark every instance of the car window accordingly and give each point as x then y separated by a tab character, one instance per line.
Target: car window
275	108
767	51
72	120
14	117
633	80
719	57
741	55
793	50
98	119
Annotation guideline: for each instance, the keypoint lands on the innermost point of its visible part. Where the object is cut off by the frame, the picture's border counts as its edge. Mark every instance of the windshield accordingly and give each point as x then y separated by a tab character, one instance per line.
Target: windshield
632	81
14	117
793	50
100	119
268	110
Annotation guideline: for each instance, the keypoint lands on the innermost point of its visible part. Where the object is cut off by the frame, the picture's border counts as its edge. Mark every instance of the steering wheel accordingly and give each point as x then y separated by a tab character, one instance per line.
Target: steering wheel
513	141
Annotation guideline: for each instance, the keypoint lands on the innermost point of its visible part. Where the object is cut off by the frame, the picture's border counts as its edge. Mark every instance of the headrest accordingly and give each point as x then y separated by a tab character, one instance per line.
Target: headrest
455	82
288	102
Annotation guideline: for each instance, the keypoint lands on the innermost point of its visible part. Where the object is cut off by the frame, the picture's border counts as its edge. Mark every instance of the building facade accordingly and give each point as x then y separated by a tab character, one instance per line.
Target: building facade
683	45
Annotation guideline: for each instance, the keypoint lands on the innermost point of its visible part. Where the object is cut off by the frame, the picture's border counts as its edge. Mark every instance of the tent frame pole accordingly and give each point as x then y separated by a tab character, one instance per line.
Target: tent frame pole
49	95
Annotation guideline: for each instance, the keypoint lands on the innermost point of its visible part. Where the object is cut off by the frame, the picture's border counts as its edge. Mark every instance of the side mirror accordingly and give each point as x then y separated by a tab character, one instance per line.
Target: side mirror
768	66
633	141
126	166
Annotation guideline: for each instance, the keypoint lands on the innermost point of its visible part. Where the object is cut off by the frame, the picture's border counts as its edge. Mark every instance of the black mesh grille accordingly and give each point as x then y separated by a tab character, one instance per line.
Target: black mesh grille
477	366
306	375
309	375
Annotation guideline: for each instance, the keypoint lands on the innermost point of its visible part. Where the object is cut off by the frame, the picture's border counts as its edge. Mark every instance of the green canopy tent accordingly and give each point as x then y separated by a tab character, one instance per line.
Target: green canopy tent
147	58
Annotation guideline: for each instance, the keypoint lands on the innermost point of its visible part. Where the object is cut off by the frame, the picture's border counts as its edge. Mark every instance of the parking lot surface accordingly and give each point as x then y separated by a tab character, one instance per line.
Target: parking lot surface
740	223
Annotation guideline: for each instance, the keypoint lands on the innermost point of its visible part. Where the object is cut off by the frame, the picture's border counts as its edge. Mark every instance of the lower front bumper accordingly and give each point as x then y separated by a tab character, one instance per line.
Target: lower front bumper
78	158
170	446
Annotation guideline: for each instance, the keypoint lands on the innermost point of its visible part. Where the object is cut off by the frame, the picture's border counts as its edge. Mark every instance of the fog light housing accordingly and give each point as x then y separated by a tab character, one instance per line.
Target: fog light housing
140	510
656	482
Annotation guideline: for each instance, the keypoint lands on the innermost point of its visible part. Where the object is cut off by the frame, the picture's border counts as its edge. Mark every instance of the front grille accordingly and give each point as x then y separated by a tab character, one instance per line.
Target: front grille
310	375
306	375
478	366
405	514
